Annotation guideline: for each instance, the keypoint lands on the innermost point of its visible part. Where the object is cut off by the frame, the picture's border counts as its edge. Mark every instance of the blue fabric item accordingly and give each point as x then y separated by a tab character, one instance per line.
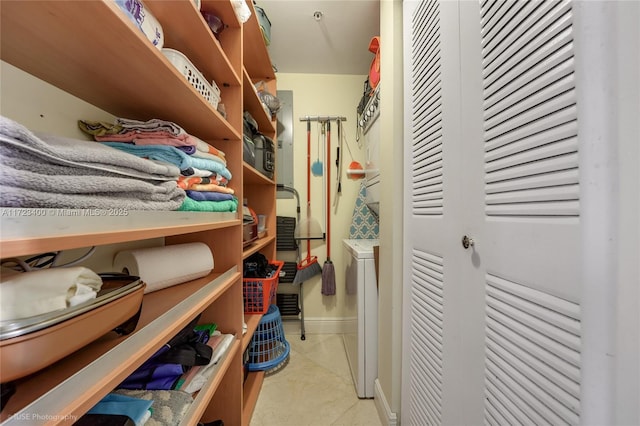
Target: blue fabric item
172	155
134	408
208	195
187	149
364	224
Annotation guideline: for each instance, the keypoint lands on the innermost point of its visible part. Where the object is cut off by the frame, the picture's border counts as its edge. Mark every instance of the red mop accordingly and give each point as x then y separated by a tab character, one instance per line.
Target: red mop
307	267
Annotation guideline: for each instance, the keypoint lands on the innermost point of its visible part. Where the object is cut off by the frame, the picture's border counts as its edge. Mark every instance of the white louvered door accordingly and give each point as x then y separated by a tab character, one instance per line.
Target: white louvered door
444	349
492	332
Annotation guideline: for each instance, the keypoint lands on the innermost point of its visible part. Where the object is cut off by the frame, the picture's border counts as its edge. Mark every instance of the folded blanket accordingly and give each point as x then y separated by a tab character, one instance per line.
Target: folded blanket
198	376
25	294
187	149
28	182
185	182
169	406
209	206
192	171
137	409
171	155
99	128
202	146
208	196
200	154
78	153
20	197
211	187
153	124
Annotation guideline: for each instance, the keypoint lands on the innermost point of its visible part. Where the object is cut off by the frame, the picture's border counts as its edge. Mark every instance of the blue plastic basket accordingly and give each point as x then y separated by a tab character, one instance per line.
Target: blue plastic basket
268	348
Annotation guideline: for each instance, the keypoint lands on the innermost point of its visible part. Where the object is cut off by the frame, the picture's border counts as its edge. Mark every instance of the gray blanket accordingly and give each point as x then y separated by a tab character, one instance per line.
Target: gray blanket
78	153
68	173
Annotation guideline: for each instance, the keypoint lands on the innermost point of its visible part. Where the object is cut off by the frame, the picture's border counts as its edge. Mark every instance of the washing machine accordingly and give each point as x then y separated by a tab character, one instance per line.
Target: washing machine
361	338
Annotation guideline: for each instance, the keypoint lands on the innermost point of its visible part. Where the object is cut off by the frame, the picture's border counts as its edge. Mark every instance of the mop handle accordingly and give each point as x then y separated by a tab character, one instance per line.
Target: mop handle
308	186
328	189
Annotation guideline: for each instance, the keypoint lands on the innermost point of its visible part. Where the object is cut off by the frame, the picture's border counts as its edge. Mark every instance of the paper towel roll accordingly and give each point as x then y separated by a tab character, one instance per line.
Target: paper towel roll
161	267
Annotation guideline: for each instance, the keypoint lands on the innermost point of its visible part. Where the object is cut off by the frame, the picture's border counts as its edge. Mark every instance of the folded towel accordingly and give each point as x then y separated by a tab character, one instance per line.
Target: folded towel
200	375
171	155
209	206
127	201
29	182
25	294
137	409
169	406
78	153
208	196
211	187
202	146
153	124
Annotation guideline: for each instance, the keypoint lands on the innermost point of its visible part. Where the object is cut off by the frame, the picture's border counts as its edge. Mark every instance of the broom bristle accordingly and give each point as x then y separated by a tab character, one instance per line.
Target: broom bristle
307	273
328	278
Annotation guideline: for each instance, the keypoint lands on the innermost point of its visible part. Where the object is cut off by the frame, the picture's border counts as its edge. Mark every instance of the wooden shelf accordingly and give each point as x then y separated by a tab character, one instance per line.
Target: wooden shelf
258	245
251	391
30	231
92	51
191	35
106	64
253	104
196	410
76	383
254	177
255	54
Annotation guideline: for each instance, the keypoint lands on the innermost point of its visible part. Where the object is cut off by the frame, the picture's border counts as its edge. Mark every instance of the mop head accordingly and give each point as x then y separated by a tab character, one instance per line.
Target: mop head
328	279
306	272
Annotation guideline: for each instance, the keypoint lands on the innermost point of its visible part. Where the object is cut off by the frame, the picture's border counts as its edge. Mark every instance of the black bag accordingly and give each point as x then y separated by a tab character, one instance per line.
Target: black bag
163	370
257	266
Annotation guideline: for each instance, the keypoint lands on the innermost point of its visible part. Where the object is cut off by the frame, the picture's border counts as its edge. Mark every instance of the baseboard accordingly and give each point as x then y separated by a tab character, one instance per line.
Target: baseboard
387	417
320	325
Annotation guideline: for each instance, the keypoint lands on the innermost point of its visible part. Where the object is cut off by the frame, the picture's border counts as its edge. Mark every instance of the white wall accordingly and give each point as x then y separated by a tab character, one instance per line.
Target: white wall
39	106
391	212
335	95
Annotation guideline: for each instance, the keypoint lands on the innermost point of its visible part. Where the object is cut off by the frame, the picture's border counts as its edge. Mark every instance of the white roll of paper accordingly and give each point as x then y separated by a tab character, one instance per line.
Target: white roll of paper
162	267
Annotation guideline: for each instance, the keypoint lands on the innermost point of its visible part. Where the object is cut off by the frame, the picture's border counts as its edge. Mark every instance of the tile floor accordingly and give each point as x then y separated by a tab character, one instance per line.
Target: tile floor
314	388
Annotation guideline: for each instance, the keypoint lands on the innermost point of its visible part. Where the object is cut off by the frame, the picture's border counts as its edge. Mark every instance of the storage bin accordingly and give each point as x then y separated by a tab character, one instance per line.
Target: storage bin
265	24
265	155
258	292
210	91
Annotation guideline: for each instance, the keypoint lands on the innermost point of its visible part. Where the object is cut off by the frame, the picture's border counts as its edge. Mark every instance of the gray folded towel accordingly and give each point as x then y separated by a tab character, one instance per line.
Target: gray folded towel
54	172
79	153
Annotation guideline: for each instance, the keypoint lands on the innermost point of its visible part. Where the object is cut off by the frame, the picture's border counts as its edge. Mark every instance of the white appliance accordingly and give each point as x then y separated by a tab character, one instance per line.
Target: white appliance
361	341
371	132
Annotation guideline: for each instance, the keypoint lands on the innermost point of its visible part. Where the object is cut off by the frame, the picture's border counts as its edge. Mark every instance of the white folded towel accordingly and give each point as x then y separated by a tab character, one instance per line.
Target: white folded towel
25	294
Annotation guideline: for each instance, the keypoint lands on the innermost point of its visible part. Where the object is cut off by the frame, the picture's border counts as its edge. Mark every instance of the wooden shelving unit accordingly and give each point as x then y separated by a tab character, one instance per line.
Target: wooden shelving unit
94	52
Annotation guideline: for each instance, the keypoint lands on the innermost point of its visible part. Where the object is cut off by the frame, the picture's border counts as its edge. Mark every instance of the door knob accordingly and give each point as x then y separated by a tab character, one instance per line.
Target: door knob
466	242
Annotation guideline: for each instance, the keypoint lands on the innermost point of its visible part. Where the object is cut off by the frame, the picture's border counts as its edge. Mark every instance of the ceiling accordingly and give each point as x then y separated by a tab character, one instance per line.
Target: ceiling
337	43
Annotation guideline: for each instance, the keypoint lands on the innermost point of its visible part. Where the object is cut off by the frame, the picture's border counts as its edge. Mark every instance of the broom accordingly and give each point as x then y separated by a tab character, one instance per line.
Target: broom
328	270
308	267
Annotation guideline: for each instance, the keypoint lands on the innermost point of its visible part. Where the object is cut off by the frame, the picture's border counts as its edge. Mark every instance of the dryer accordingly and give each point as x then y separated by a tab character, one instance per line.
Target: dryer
361	340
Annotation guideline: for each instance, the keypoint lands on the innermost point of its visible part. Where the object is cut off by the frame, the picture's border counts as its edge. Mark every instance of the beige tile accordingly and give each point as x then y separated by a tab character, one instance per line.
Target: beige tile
314	388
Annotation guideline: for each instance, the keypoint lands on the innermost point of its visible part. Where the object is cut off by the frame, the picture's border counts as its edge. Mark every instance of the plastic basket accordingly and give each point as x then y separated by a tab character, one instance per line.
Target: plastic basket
268	348
210	91
258	292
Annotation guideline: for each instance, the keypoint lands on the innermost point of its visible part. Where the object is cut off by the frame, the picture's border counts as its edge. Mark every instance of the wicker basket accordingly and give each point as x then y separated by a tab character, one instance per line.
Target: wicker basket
210	91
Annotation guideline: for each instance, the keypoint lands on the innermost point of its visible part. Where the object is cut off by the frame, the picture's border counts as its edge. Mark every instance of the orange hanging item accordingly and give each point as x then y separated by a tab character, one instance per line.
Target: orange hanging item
374	69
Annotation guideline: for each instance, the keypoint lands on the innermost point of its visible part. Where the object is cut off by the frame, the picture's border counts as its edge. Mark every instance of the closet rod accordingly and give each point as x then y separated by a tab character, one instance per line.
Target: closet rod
323	118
